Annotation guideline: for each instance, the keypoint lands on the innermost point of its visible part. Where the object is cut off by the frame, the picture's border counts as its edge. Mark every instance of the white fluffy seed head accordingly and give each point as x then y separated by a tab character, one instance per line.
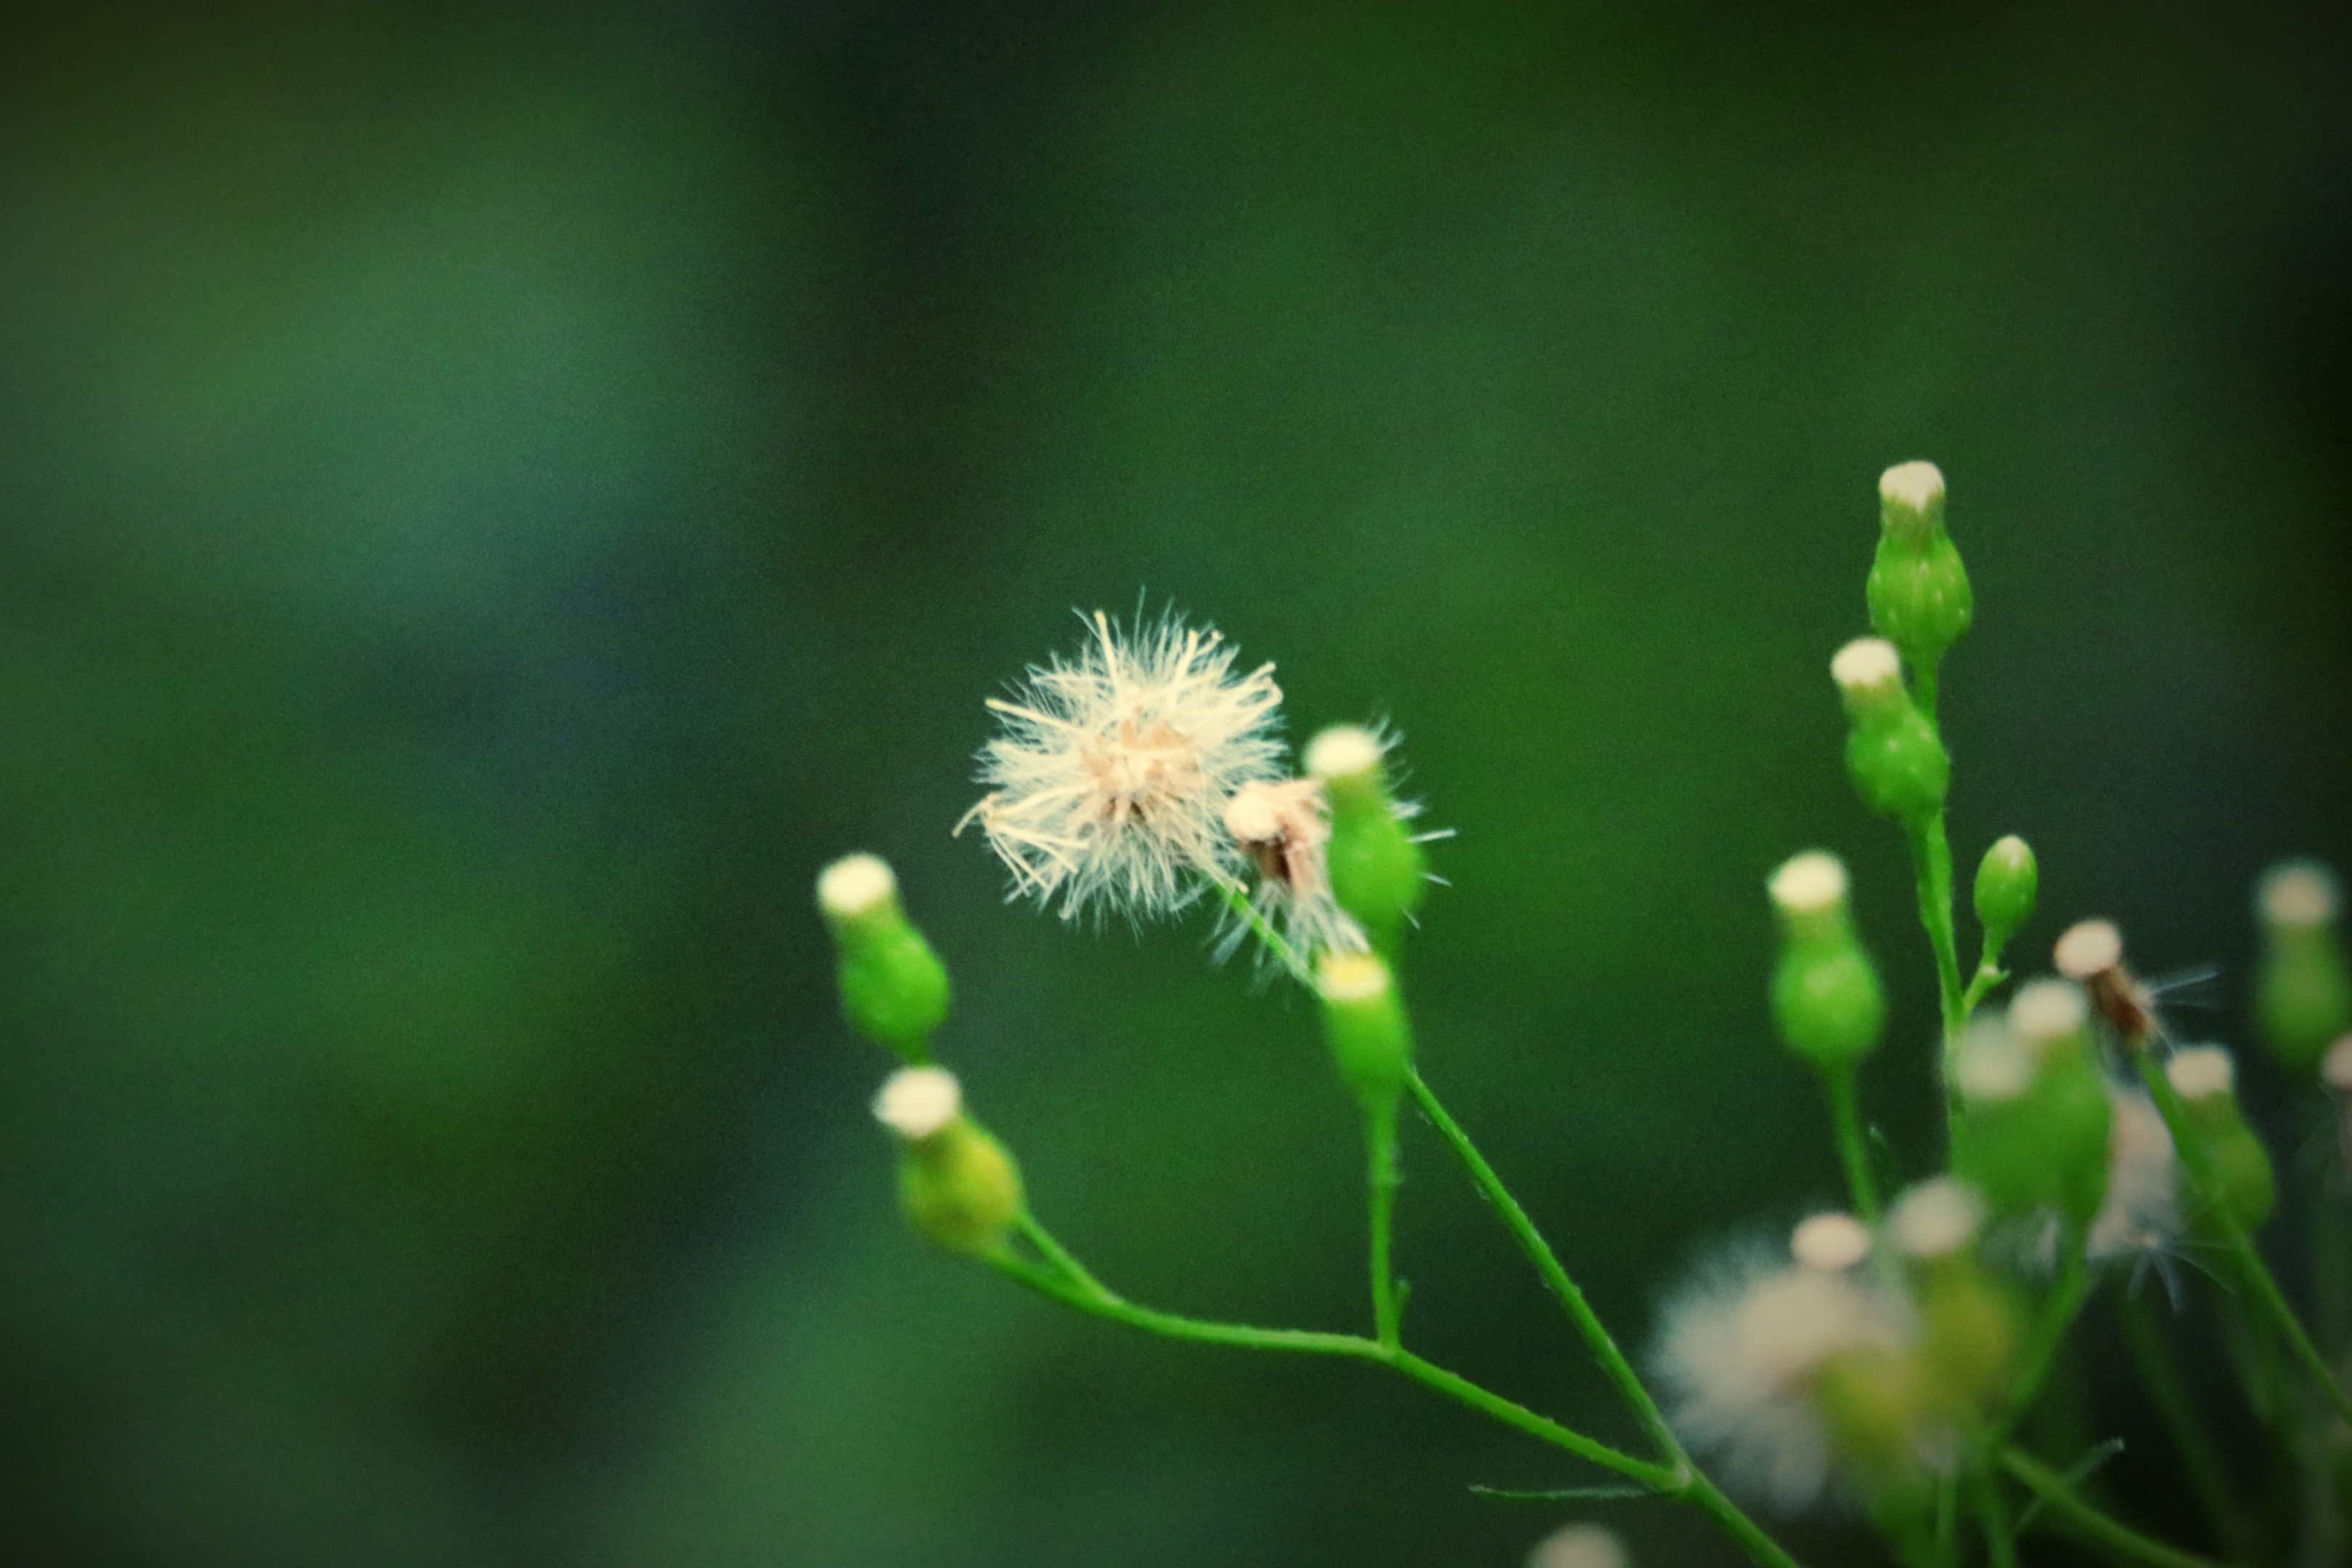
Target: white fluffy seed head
1808	883
1108	780
1935	1218
2142	1211
1992	1064
2046	1010
1736	1352
2335	1067
1830	1241
1918	485
2296	893
1343	751
2201	1072
915	1102
1580	1546
855	886
2088	948
1866	665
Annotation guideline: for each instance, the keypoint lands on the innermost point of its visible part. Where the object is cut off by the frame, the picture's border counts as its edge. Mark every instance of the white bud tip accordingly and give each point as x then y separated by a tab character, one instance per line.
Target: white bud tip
1254	814
1865	664
2047	1010
1342	752
1808	883
1580	1546
1830	1242
2296	893
856	885
2201	1072
1992	1065
1916	485
1352	977
1935	1218
918	1102
2335	1067
2088	948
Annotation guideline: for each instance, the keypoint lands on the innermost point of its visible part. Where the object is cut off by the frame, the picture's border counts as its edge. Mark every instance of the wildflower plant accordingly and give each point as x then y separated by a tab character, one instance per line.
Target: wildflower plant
1883	1362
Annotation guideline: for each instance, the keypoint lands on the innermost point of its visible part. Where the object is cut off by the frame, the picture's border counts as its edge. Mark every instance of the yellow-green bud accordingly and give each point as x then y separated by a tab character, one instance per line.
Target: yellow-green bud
1826	997
2008	879
2302	996
1893	754
2033	1115
2240	1181
1377	870
957	1186
1363	1019
894	989
1919	590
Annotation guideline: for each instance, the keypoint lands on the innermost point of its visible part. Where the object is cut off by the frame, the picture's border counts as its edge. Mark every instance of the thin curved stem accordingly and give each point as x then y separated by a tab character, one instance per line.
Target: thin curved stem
2059	1498
1931	867
1381	1180
1091	1297
2251	1267
2200	1456
1236	899
1515	1219
1853	1149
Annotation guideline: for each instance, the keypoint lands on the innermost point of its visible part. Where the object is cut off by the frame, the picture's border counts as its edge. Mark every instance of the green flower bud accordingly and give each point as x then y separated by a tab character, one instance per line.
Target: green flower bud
2007	881
957	1186
2303	996
2242	1185
2033	1116
894	989
1376	866
1893	754
1826	998
1919	591
1363	1019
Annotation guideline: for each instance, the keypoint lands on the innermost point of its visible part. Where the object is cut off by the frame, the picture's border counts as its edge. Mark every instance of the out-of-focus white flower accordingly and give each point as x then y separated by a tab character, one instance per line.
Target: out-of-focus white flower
1283	828
1110	782
1738	1353
2142	1211
1581	1546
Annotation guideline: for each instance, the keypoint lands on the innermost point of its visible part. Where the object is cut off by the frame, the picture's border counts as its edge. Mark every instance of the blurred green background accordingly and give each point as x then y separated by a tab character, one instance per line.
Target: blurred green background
492	498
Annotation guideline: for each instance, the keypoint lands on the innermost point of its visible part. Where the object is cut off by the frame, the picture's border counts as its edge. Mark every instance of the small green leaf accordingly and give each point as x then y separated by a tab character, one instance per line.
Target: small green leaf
1564	1494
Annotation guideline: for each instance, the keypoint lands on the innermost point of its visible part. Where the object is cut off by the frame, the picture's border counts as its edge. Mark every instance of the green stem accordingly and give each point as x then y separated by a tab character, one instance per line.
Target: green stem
1100	1301
2215	1208
1853	1151
1923	685
1931	866
2059	1310
1380	1188
1992	1518
1237	899
1989	974
2160	1374
2052	1488
1531	1242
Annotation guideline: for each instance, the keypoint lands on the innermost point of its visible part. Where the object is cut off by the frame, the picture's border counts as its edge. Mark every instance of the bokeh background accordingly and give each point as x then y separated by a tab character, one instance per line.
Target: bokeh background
491	498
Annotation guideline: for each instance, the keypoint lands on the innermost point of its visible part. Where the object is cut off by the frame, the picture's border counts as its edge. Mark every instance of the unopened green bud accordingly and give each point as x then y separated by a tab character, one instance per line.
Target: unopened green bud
2033	1114
2302	996
1893	754
2008	879
2240	1181
957	1186
1376	868
894	989
1363	1019
1826	997
1919	591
